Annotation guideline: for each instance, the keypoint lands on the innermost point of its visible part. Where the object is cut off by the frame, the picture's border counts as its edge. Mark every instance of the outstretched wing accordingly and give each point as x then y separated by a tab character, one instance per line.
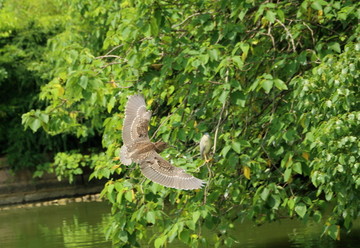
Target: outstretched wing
125	156
162	172
136	121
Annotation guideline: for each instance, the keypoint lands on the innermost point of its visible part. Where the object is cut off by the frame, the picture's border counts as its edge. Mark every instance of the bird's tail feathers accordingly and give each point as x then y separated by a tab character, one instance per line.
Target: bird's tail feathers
124	156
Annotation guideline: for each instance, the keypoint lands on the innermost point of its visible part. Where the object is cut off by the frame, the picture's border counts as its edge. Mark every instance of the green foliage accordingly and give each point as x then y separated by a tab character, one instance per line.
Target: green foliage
275	83
25	27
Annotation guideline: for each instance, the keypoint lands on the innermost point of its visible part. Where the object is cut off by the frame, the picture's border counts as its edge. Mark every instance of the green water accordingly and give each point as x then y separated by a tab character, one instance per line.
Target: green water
72	225
81	224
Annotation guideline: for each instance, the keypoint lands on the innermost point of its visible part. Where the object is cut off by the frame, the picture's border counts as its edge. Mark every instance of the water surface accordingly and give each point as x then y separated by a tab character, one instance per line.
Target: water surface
81	224
73	225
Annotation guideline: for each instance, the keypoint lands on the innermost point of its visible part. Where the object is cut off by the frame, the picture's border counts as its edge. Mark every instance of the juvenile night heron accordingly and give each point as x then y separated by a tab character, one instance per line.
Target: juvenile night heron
139	149
205	146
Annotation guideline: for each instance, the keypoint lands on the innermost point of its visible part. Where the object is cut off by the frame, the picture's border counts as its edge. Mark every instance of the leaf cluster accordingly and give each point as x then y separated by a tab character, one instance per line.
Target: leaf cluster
274	83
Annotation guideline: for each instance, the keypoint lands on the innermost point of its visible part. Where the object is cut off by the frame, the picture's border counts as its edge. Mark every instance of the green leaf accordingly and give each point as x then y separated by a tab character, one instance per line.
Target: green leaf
229	242
287	174
44	117
270	16
150	217
254	85
34	124
123	236
196	216
291	203
329	195
238	98
204	58
128	195
223	96
110	188
238	62
316	5
301	209
297	168
245	49
185	236
154	27
214	54
83	82
111	104
265	194
335	47
182	135
334	232
225	150
173	233
317	216
280	15
245	143
191	224
267	85
280	84
274	201
236	146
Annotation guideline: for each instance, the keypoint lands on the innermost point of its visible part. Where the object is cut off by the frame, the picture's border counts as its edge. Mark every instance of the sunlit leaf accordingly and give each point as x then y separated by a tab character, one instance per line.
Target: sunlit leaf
150	217
34	124
305	155
301	209
280	84
287	174
267	85
83	81
246	172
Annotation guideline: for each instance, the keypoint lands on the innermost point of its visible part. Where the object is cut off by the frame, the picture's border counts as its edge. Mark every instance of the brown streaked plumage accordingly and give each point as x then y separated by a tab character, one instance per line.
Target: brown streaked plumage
139	149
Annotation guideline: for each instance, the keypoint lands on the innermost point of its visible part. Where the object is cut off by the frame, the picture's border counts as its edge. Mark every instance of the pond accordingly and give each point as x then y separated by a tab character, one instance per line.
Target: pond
80	224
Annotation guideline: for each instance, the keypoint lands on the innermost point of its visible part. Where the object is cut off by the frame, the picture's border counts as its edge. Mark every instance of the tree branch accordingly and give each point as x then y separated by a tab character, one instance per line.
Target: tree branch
188	18
288	34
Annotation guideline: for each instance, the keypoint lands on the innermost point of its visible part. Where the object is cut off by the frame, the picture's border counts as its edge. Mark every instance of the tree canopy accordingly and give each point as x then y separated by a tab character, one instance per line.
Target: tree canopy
275	83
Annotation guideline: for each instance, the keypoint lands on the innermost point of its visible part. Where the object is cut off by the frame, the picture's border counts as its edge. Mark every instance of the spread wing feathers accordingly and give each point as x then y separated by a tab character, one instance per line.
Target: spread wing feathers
162	172
124	156
136	121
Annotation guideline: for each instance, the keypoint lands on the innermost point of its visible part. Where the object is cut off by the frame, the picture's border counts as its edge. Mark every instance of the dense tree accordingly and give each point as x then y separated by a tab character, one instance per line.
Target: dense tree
25	28
275	83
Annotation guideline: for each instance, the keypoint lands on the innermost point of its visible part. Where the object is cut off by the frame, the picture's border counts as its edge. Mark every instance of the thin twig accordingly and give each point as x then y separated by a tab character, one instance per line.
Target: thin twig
272	37
215	143
162	123
181	23
108	56
208	183
217	127
288	34
215	82
63	101
219	121
114	48
311	31
112	63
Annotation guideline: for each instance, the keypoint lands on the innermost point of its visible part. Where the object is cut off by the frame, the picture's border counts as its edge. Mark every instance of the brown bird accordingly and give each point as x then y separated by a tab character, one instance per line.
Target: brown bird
139	149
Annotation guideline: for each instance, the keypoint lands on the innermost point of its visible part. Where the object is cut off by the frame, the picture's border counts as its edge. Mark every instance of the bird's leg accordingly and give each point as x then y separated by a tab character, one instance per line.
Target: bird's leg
207	160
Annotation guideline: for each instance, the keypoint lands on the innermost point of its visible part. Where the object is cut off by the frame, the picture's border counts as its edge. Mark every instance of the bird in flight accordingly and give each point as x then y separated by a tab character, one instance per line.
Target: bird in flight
139	149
